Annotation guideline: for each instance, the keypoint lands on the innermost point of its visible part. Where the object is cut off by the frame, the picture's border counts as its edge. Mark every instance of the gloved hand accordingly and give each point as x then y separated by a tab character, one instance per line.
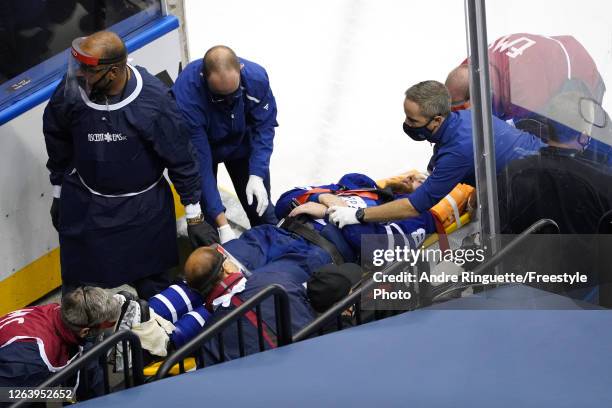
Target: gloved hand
55	213
226	233
341	216
255	186
201	233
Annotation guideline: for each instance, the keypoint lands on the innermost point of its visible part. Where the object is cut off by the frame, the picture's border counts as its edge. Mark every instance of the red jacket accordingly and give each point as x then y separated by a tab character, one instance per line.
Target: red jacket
527	70
57	344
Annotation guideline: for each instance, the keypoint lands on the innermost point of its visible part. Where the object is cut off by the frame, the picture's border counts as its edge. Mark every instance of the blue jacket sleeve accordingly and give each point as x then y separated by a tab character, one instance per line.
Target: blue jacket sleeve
170	139
262	121
449	171
195	120
283	205
57	136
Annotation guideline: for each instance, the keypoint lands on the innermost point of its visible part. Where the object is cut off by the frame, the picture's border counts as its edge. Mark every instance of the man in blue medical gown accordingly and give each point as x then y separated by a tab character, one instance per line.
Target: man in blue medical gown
111	130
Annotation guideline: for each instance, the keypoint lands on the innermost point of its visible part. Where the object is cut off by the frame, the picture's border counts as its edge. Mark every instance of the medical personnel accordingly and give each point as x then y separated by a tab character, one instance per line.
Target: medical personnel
231	113
526	72
38	341
111	130
429	118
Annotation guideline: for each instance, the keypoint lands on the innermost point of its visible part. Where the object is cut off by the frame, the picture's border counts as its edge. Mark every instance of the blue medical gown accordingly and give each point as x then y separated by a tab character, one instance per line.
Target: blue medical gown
117	220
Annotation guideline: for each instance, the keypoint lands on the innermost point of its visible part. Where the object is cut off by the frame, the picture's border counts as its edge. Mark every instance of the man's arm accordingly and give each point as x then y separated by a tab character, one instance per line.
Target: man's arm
57	139
170	140
446	175
21	365
213	206
329	200
285	202
394	210
449	171
193	117
262	118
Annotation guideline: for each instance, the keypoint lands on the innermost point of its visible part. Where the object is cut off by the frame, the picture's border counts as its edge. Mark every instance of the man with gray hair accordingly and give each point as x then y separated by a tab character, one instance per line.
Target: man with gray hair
429	118
38	341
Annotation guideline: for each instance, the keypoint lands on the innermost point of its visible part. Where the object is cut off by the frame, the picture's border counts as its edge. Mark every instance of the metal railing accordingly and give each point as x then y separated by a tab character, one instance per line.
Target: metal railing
500	256
326	320
98	355
195	345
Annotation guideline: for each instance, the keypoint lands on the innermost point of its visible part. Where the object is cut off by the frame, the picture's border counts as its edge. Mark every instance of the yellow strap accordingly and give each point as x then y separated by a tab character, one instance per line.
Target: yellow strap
433	238
151	369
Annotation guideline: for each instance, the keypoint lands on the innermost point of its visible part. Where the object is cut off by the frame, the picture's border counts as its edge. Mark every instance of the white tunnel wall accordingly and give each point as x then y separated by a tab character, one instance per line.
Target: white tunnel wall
338	70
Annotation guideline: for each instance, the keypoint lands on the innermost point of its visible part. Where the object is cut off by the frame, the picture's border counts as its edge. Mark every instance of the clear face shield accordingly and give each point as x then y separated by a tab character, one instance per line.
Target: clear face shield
576	114
88	74
598	121
576	111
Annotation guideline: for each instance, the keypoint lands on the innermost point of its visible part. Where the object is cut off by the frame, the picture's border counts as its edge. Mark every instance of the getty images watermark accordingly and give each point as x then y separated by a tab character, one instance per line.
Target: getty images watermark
405	277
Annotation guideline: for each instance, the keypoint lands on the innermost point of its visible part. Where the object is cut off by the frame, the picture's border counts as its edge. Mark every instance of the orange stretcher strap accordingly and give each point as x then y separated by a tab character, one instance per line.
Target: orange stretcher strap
449	209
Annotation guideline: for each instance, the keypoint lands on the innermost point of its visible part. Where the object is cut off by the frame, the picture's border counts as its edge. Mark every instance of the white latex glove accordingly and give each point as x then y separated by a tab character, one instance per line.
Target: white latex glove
225	233
341	216
256	187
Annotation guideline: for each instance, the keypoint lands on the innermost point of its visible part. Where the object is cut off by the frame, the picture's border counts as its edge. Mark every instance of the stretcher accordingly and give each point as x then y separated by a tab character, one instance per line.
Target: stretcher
446	213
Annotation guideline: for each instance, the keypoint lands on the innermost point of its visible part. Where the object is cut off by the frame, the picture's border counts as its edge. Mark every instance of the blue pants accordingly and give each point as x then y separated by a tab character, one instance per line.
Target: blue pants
238	170
269	249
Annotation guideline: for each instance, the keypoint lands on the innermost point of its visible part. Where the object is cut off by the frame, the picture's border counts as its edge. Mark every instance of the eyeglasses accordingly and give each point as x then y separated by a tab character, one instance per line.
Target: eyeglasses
227	99
592	112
